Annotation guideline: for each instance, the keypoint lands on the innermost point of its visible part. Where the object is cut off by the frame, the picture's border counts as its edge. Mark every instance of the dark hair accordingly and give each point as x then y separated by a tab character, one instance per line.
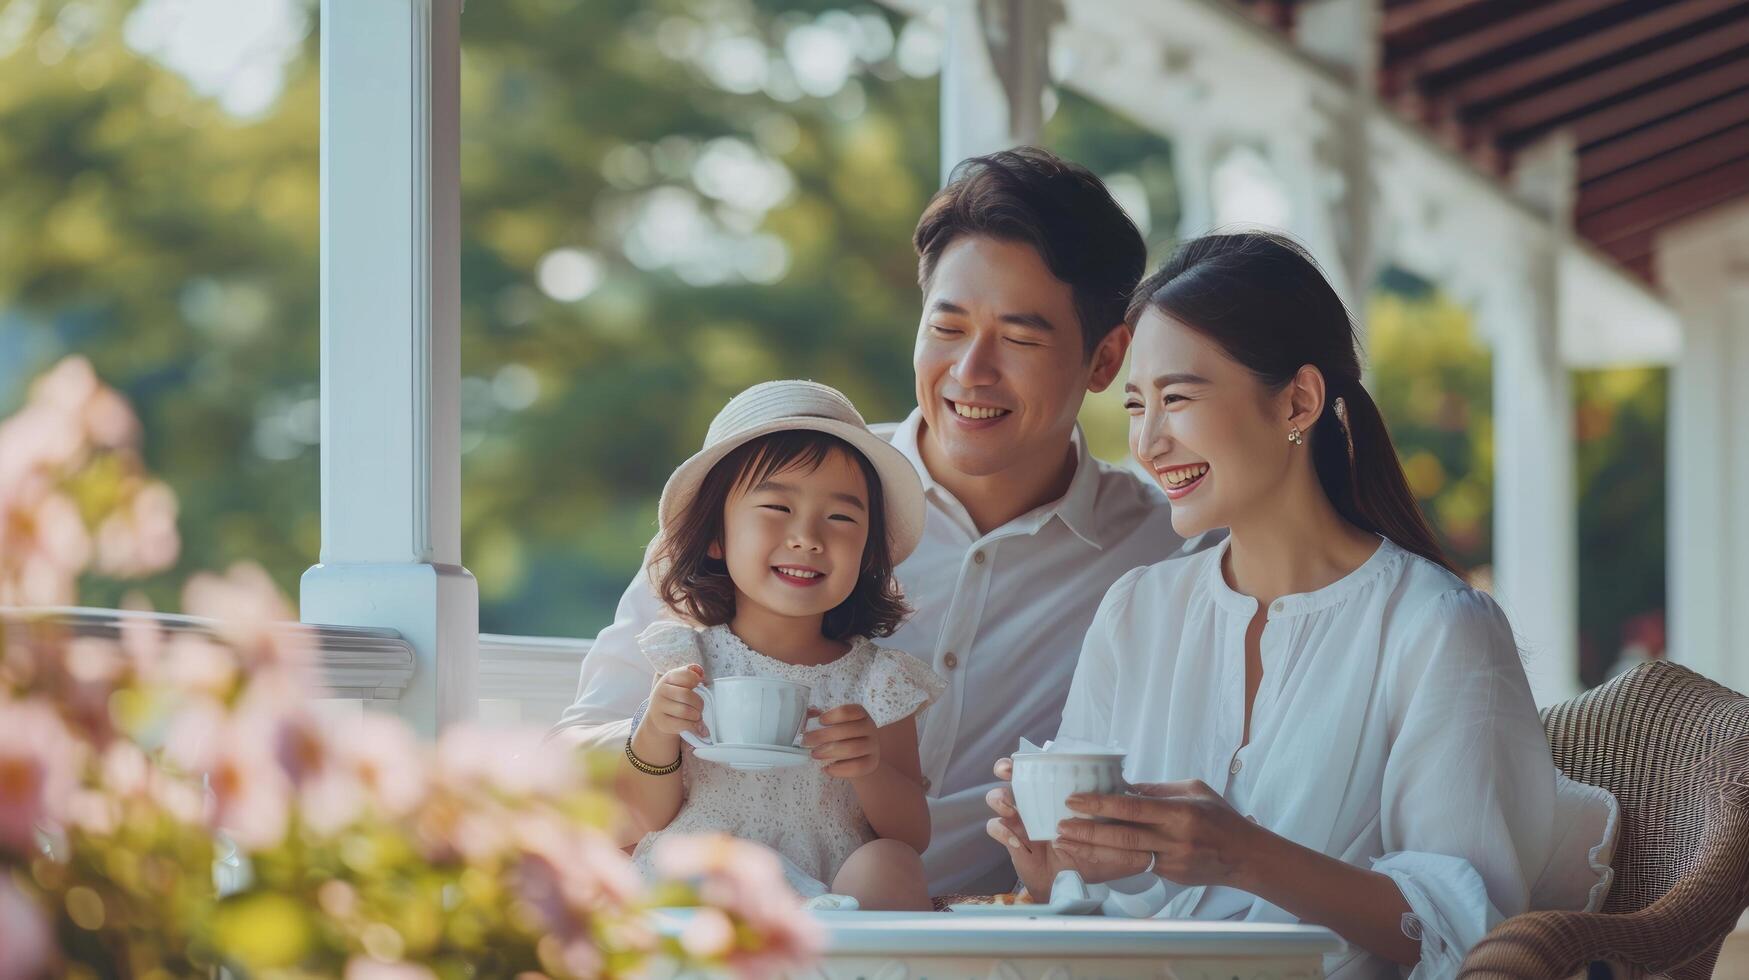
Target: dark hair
690	581
1061	209
1263	299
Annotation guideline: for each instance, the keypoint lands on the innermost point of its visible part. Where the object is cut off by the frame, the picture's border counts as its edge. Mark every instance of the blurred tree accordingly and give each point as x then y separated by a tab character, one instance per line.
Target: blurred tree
663	201
1620	420
1432	379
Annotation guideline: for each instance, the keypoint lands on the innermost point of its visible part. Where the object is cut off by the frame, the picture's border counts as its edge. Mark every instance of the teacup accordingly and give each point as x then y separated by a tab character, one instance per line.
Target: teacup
754	710
1044	781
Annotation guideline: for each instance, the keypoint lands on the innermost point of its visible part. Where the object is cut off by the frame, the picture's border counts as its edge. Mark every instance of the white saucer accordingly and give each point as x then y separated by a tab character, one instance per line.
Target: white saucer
1068	897
747	757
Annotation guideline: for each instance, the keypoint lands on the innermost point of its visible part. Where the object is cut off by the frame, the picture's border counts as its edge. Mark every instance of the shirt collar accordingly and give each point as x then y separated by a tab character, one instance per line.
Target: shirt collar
1075	507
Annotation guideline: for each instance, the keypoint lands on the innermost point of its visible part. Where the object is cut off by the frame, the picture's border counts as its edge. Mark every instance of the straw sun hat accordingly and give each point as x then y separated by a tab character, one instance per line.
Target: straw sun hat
777	406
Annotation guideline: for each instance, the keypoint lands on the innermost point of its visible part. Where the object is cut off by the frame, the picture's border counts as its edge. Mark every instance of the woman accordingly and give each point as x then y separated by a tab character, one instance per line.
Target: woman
1323	722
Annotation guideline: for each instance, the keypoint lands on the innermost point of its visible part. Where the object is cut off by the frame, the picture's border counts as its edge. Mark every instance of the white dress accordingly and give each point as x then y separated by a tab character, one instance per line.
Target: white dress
813	821
1393	729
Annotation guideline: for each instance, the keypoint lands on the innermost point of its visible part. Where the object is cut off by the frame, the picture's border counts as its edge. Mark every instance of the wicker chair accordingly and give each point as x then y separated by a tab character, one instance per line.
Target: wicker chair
1674	749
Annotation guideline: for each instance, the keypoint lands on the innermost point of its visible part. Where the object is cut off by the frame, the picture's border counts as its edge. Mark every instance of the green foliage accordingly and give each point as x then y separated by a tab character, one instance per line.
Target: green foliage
176	245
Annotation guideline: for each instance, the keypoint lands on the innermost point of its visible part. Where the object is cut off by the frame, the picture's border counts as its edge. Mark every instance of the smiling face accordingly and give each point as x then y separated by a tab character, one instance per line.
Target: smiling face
794	541
1213	435
1000	361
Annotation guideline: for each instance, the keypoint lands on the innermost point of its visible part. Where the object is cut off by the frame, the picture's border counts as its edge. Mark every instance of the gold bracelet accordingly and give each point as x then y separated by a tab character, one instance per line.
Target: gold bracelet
647	769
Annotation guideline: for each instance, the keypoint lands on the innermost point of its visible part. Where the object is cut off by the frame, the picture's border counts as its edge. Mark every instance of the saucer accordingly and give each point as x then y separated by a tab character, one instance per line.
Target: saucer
1069	896
748	757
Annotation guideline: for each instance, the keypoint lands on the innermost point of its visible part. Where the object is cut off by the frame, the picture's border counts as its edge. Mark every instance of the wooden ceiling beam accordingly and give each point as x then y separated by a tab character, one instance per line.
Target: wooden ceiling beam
1409	17
1666	100
1668	203
1575	96
1676	130
1670	168
1469	46
1523	73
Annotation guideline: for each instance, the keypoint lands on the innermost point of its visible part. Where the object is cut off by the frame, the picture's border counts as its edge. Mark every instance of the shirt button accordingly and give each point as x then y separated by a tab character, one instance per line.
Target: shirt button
926	784
978	556
950	661
1278	607
1237	765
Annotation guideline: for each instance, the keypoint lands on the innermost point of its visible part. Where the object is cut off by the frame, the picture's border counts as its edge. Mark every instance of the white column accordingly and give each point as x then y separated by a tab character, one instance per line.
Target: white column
1536	560
1704	264
1345	33
391	355
995	66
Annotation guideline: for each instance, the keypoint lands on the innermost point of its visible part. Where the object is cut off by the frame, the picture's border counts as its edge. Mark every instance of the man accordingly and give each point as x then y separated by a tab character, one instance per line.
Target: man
1026	264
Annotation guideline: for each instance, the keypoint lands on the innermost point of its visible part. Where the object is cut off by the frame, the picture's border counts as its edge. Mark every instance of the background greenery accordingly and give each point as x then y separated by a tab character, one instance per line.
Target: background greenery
663	201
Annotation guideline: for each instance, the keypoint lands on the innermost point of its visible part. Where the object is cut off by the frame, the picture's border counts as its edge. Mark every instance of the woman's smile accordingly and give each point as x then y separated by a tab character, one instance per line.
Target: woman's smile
1179	480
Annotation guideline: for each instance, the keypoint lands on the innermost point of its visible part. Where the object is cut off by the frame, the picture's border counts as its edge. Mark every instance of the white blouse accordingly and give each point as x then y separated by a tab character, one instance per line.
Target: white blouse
1393	729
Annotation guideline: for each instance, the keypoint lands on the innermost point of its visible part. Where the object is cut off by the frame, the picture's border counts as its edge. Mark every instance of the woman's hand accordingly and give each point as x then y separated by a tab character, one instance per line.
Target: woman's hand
846	741
1036	863
1190	834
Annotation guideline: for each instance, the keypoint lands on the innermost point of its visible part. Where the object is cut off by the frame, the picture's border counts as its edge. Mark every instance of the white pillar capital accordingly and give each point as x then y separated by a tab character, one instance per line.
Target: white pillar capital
993	76
391	351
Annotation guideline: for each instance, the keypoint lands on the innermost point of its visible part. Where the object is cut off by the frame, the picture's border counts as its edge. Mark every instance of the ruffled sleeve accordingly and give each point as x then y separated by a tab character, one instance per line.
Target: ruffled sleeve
897	686
667	644
1469	802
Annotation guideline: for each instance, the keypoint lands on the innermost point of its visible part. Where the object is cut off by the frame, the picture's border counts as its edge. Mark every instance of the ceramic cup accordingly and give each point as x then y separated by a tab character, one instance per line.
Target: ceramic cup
754	710
1044	781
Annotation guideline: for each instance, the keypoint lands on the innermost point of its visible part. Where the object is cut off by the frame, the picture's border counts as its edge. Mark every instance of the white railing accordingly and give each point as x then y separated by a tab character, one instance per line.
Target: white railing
523	679
528	679
356	662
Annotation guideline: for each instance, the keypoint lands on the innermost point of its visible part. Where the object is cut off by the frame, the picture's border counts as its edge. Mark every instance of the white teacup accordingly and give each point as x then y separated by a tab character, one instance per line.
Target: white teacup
754	710
1044	781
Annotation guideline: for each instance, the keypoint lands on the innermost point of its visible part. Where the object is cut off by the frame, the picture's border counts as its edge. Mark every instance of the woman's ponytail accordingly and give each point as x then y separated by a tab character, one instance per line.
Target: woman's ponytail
1358	468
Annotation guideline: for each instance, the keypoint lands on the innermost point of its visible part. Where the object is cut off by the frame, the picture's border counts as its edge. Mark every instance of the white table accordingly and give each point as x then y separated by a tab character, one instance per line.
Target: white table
945	946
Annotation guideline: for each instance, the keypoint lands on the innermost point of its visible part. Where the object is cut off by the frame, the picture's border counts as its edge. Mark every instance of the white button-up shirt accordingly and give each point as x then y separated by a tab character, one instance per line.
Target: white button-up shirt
1000	616
1393	729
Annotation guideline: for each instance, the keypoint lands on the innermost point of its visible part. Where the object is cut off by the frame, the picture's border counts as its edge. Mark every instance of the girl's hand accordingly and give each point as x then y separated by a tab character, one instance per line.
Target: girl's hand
846	741
675	706
1191	834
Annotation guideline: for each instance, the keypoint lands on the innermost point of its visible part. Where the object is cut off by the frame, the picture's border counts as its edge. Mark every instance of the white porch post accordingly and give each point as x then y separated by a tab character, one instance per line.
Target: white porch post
1536	562
1704	263
391	356
994	69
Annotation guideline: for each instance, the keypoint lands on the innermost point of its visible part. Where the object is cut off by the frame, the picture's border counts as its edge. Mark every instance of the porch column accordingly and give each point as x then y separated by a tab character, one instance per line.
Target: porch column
1704	264
994	69
1536	560
391	355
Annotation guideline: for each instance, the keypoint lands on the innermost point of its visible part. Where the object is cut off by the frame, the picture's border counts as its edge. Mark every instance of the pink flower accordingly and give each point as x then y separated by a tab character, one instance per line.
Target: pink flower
381	754
109	420
517	761
43	548
745	881
254	619
39	769
365	968
39	442
140	537
25	934
66	386
249	793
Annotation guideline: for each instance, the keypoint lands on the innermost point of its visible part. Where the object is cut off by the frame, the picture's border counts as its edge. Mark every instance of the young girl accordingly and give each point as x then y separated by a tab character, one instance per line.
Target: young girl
779	539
